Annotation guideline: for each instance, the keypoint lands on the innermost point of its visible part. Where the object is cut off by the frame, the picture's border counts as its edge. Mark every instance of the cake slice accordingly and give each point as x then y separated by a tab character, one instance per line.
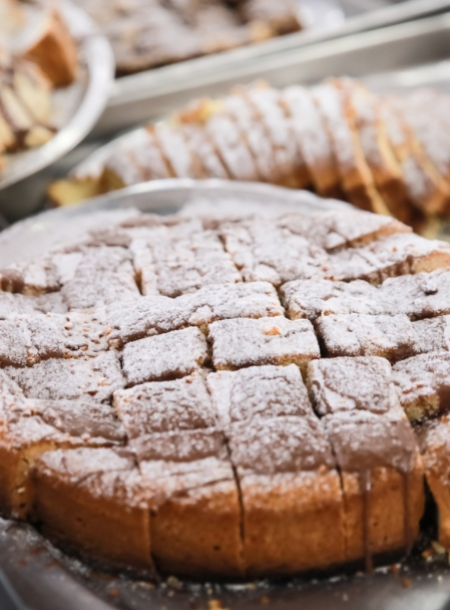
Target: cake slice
33	89
165	406
71	379
427	189
423	385
178	259
31	278
92	277
28	339
434	442
380	466
423	295
224	135
432	334
268	250
246	342
427	129
288	156
356	178
313	139
166	356
205	155
121	170
395	255
137	160
313	299
157	314
195	514
390	337
174	151
84	495
334	231
377	149
255	136
288	484
31	427
352	384
258	392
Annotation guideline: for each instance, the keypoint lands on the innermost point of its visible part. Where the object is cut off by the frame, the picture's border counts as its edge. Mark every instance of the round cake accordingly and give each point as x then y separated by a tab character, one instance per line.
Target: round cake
229	398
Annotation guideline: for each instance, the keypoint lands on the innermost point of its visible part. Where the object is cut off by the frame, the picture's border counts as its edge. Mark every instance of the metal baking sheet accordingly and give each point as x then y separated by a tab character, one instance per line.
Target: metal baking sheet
78	107
143	96
46	579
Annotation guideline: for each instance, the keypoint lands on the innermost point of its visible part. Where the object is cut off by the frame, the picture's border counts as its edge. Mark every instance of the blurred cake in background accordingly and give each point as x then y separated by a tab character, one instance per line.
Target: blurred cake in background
149	33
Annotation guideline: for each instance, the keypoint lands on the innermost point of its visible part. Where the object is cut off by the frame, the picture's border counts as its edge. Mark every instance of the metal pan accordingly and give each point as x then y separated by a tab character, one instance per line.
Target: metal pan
45	579
143	96
24	178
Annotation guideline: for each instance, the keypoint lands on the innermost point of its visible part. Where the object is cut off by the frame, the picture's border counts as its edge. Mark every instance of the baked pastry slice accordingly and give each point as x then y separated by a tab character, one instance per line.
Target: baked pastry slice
288	155
423	295
288	483
285	471
434	441
427	189
390	337
313	139
395	255
181	258
164	356
256	137
356	177
381	469
156	314
31	427
85	494
246	342
377	149
423	385
189	483
268	250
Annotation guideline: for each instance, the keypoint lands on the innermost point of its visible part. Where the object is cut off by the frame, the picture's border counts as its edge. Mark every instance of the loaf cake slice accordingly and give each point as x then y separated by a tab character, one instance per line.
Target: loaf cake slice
356	178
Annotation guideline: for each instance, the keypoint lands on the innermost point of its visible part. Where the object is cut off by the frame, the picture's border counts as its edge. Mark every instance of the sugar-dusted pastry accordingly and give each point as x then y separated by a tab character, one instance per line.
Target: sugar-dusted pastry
215	392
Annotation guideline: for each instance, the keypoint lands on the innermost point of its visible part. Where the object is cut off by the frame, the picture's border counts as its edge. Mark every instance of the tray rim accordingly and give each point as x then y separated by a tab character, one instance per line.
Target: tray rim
96	53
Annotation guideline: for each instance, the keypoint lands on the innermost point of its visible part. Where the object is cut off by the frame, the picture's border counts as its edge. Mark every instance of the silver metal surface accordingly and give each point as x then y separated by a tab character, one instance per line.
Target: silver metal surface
146	95
24	178
47	580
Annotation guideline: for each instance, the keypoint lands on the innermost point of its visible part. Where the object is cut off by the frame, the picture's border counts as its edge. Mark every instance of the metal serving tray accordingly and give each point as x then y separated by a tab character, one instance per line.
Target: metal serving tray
45	579
143	96
24	178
